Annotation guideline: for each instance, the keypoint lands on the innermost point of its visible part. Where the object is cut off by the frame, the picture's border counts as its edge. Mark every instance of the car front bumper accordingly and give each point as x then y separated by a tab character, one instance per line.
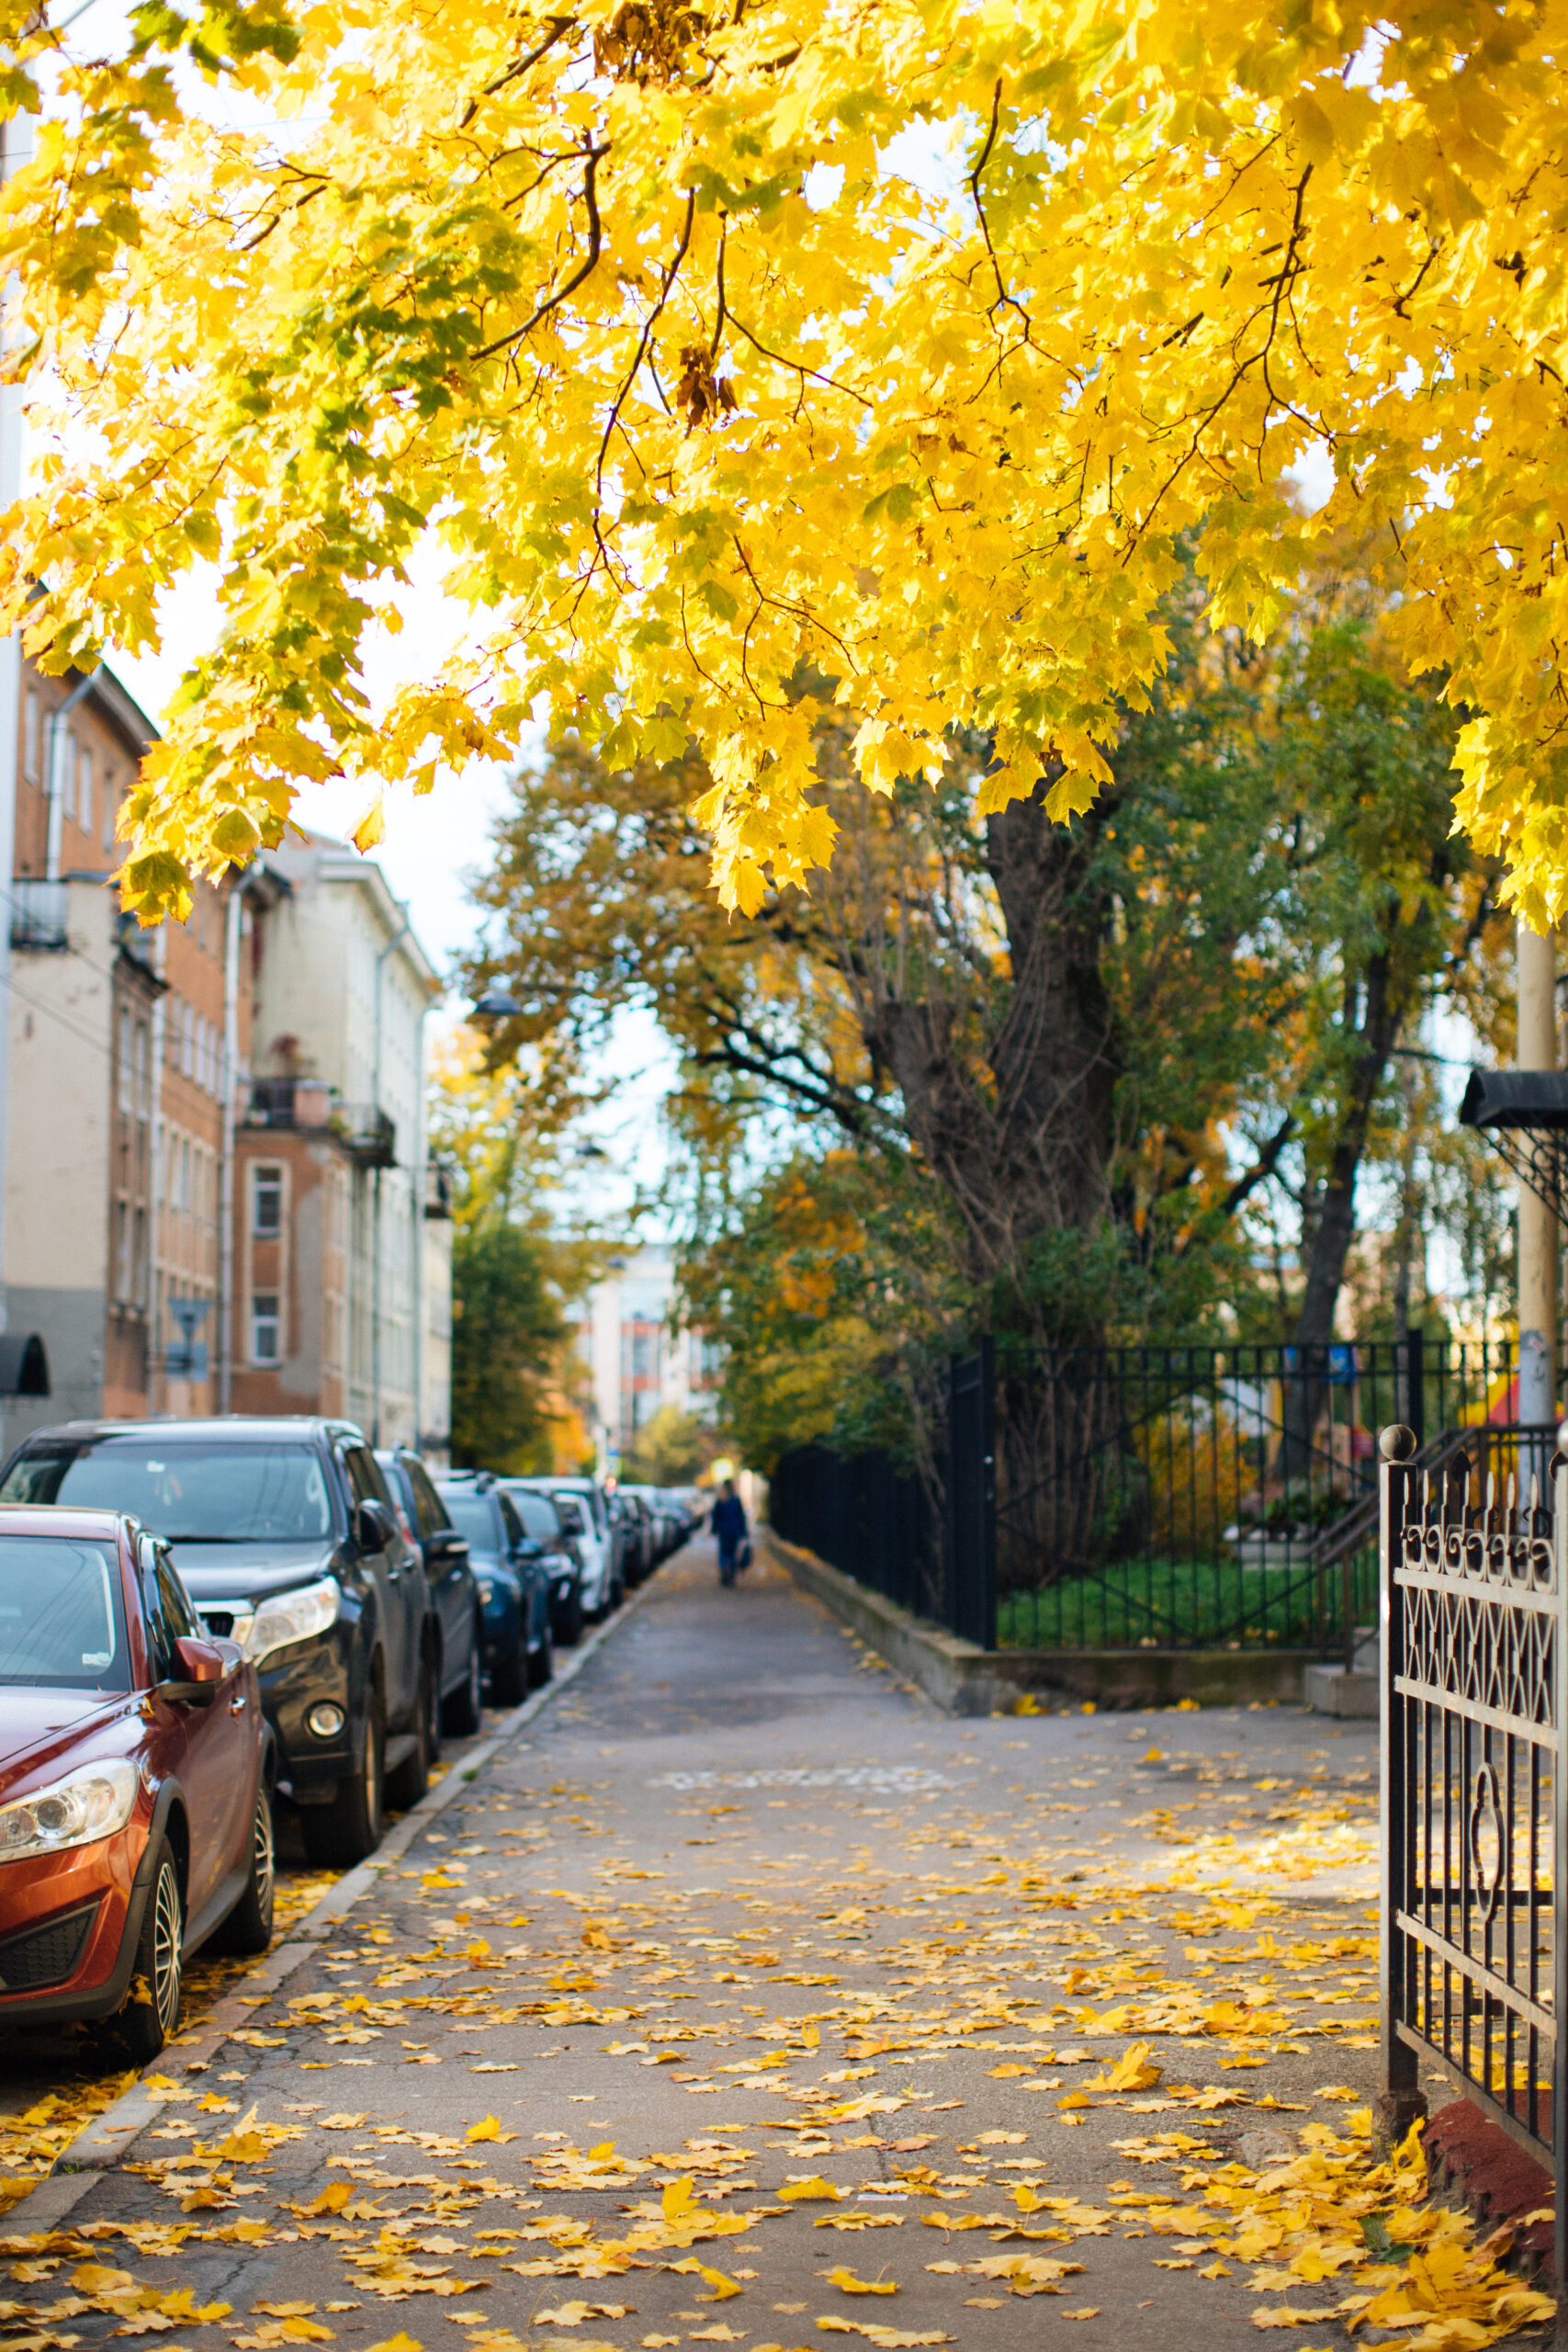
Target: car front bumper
69	1925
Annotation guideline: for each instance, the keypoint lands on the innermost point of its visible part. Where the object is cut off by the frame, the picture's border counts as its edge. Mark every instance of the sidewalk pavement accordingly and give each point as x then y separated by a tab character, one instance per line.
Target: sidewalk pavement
743	1999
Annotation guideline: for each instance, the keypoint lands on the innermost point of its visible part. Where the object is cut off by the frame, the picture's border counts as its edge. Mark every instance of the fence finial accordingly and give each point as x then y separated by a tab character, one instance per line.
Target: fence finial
1396	1444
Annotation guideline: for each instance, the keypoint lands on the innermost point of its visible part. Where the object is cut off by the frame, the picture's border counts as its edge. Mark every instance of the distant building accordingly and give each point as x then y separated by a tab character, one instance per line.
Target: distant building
184	1234
341	1289
637	1361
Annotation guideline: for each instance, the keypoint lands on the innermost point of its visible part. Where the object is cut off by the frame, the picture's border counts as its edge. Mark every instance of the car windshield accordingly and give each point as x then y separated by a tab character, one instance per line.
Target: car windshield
190	1491
538	1514
476	1517
62	1622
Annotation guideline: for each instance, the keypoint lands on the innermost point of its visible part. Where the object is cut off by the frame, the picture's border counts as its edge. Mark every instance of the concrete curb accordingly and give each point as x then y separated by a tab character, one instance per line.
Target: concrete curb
106	2139
963	1680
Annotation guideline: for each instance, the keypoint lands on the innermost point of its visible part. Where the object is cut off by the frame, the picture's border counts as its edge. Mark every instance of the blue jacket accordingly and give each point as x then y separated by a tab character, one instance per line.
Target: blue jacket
728	1521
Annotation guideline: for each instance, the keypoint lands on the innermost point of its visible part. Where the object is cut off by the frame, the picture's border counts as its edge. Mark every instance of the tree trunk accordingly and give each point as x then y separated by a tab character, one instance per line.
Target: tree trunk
1384	1012
1022	1144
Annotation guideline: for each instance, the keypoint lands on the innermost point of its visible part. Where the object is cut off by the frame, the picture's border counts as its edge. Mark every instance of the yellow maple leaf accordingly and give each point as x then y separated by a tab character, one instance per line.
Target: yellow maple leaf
848	2284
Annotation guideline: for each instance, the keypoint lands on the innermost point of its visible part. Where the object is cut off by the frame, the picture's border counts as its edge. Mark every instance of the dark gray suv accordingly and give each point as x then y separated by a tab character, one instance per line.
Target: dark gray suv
287	1540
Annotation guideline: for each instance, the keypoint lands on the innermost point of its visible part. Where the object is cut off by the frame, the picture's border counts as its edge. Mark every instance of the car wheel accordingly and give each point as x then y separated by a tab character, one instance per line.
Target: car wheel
248	1928
350	1828
566	1623
508	1676
461	1709
153	2006
408	1784
542	1661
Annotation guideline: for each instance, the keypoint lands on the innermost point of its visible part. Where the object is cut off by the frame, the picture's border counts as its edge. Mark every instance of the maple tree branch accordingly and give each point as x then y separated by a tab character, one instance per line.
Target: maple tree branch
558	25
796	367
648	327
593	157
1003	296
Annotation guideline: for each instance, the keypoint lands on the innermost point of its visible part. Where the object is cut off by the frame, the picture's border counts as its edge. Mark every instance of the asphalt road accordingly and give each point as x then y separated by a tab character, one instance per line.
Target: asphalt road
739	1910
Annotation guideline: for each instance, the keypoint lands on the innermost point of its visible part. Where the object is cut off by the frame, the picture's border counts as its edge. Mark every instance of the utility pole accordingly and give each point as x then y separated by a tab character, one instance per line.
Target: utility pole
1536	964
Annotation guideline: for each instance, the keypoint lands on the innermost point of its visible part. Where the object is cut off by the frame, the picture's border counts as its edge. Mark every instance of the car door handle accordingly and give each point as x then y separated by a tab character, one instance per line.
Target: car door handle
237	1706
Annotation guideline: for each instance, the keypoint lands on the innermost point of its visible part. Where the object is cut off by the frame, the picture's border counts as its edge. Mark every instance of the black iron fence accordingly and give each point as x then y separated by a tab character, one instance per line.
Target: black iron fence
1156	1497
1474	1826
863	1514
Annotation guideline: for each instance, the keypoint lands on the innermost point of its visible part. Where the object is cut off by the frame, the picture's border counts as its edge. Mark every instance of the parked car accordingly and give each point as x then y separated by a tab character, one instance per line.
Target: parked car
560	1554
519	1647
639	1546
283	1533
667	1520
135	1769
603	1577
453	1586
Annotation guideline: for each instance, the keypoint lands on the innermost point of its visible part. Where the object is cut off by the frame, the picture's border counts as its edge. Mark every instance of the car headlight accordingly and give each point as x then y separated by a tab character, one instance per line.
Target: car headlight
287	1617
89	1804
486	1590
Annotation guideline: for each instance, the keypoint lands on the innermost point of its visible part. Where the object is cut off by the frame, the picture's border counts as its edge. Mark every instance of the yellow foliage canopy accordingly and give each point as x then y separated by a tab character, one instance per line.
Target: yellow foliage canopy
883	344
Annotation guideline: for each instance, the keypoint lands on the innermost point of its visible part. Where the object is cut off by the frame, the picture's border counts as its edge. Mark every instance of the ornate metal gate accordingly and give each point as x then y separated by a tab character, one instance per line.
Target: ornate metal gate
1475	1780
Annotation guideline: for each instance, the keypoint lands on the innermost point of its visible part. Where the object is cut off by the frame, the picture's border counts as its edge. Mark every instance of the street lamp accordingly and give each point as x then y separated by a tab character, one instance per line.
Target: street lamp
496	1004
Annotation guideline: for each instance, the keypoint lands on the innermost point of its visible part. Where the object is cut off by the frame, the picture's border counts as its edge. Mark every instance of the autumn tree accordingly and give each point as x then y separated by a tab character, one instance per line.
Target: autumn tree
894	347
1104	1043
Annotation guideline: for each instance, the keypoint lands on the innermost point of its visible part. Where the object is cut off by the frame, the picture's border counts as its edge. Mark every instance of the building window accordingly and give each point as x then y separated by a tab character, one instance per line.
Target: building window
85	788
127	1065
30	736
68	781
111	804
267	1203
188	1041
264	1327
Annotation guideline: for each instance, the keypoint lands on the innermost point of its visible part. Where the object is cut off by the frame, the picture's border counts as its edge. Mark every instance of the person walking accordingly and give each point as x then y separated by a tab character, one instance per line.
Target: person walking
729	1524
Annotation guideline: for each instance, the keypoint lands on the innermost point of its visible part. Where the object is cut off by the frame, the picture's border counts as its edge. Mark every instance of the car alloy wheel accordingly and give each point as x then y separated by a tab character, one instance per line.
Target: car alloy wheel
264	1850
168	1929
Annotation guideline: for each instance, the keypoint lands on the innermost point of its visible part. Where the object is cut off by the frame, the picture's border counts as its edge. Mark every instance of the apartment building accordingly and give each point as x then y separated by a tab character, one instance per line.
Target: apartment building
182	1233
639	1359
342	1288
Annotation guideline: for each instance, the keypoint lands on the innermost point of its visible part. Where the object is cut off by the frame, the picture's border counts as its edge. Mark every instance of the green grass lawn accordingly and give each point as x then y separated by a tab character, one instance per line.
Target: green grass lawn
1181	1604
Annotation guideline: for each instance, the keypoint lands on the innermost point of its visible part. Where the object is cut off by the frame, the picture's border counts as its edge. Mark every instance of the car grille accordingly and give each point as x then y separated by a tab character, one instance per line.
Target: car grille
45	1955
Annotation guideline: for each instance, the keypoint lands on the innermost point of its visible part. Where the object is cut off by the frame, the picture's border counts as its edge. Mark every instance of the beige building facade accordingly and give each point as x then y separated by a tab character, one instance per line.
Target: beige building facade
342	1289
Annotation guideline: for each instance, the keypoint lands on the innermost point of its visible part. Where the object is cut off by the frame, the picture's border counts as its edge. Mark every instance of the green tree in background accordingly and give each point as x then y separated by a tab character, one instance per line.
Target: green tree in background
507	1330
511	1279
670	1449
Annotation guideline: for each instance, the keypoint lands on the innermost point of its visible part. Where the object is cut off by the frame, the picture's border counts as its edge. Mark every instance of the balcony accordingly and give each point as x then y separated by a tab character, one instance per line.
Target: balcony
38	917
366	1132
288	1102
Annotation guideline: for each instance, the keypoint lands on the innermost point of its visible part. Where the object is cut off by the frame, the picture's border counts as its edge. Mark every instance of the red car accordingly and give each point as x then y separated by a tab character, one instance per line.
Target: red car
135	1770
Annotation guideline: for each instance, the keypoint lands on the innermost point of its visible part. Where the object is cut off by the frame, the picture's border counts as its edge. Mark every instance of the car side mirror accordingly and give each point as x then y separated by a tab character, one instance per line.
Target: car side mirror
372	1528
202	1667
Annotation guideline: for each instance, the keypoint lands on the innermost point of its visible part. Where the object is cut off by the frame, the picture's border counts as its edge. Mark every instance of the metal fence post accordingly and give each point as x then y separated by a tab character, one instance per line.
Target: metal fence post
1401	2101
972	1497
